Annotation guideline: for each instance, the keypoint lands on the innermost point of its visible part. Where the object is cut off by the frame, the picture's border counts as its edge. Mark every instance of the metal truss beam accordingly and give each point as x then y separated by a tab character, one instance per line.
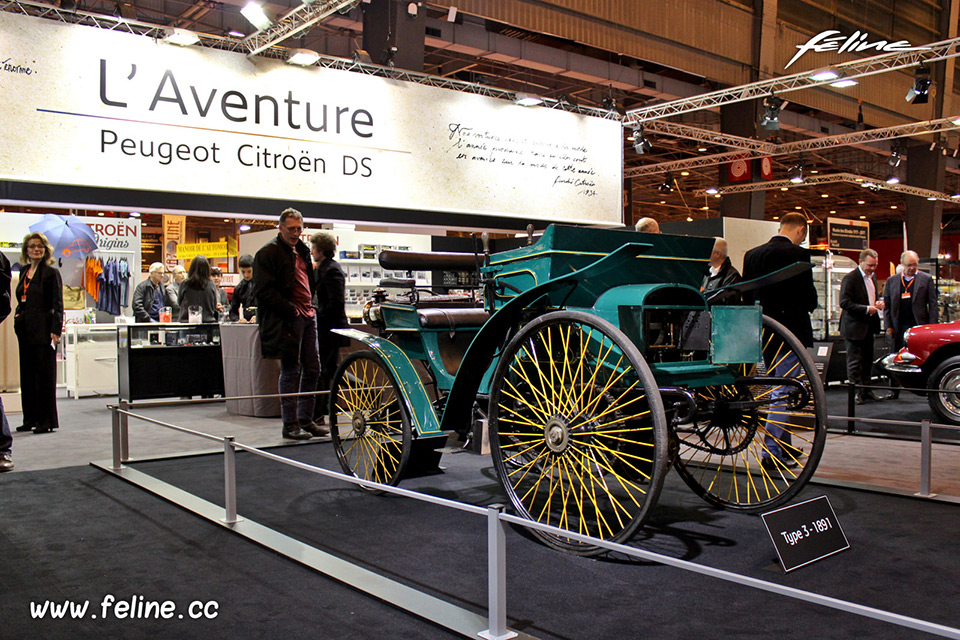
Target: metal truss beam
296	21
852	178
783	84
678	130
769	149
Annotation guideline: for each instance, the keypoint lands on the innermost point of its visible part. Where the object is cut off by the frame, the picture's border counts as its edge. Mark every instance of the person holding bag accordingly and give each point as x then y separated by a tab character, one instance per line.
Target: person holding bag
38	322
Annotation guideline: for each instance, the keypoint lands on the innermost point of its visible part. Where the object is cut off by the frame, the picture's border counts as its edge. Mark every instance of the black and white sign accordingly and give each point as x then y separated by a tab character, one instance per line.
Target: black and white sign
805	532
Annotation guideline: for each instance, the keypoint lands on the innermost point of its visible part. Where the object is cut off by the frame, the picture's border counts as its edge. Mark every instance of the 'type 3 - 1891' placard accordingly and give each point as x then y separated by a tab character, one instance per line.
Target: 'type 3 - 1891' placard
805	532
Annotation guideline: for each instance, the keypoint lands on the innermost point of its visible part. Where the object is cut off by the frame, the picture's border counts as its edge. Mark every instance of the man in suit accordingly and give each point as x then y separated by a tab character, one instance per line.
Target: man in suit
910	299
789	303
860	320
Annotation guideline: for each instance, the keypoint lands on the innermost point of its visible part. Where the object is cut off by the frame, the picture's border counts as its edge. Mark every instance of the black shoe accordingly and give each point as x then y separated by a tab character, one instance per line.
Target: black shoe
871	396
25	427
44	429
895	395
314	429
778	465
860	399
294	432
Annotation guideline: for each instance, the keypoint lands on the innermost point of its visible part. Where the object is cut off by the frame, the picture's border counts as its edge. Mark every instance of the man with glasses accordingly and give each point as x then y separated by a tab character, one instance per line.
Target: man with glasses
860	320
283	280
911	300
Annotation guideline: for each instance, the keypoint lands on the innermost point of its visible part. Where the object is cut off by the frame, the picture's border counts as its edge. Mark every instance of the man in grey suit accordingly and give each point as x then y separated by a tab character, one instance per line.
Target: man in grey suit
911	300
860	320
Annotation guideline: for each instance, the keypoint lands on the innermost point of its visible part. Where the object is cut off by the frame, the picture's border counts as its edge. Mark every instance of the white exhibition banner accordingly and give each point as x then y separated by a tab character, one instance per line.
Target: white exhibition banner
84	106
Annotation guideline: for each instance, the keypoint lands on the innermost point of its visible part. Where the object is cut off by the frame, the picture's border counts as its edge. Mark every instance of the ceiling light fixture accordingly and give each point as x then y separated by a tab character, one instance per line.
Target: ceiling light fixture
713	191
640	144
526	100
772	106
256	15
893	179
919	92
843	83
180	37
667	186
302	57
825	74
796	173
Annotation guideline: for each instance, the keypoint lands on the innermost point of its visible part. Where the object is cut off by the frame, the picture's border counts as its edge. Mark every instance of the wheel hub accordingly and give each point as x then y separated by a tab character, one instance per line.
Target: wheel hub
359	422
557	434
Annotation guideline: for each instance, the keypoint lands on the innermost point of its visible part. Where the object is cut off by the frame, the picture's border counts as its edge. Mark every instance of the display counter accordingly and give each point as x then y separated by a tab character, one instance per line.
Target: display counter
90	357
245	373
169	360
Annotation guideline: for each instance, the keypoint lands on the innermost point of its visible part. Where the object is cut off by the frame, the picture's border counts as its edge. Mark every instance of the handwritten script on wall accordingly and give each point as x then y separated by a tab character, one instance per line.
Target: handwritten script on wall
559	165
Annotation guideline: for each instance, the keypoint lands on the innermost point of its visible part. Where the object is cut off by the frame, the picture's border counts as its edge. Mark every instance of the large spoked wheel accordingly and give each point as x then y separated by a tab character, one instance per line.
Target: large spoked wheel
369	423
577	429
755	443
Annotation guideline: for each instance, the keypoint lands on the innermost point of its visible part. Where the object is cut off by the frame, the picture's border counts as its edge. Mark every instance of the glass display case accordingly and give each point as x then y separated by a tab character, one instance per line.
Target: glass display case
169	360
828	272
946	275
90	359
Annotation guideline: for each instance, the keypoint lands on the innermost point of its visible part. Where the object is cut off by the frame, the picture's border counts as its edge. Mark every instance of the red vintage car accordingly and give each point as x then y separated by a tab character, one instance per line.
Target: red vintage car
931	360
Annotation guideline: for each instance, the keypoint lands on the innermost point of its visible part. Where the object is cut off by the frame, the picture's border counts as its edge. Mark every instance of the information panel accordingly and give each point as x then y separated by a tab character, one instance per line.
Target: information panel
848	235
805	532
83	106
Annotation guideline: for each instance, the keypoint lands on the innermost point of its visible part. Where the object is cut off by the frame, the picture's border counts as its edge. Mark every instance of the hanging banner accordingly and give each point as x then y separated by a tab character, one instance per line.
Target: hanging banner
738	170
121	111
174	232
766	168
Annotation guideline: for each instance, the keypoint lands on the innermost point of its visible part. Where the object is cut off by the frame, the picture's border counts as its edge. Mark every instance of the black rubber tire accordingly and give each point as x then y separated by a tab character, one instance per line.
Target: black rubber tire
369	421
945	376
720	457
577	429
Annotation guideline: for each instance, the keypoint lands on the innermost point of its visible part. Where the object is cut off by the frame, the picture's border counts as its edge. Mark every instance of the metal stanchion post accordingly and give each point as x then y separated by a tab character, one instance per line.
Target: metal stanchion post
124	432
926	452
229	481
496	577
851	406
117	463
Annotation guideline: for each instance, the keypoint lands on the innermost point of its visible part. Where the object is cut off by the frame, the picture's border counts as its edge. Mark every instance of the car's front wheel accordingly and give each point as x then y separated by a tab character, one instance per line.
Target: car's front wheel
944	386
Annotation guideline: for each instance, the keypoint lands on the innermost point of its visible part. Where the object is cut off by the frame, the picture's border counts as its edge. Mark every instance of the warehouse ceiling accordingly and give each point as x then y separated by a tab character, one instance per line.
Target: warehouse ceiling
341	35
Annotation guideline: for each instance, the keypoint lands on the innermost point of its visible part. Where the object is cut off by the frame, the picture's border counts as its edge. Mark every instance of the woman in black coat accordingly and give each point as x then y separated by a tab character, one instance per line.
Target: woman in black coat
198	290
38	322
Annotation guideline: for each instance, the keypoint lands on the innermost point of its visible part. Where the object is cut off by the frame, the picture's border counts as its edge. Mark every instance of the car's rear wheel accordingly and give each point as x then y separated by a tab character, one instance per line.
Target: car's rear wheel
944	386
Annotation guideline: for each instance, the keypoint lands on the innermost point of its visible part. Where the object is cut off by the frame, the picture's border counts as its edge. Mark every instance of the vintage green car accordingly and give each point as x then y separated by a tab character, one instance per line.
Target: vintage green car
592	363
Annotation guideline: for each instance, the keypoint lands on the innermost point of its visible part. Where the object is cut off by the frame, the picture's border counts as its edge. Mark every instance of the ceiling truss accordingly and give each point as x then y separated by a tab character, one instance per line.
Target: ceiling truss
861	181
770	149
783	84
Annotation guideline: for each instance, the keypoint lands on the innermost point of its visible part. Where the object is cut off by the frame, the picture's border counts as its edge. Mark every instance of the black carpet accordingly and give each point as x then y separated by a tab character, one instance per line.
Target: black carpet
79	534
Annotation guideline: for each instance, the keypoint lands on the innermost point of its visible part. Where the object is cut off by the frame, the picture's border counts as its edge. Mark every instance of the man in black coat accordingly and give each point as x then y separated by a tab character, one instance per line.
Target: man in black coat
860	320
790	303
910	299
722	274
283	280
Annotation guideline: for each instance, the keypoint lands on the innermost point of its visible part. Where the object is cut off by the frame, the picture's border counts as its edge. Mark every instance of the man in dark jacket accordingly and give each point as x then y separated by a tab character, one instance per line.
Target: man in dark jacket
790	303
910	300
283	279
722	274
150	296
860	320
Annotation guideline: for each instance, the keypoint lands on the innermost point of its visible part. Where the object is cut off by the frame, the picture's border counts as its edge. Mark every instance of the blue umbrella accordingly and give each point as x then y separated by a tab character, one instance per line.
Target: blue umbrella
70	237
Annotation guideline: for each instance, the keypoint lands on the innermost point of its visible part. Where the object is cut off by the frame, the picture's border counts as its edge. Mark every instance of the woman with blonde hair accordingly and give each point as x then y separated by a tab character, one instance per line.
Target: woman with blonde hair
38	322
